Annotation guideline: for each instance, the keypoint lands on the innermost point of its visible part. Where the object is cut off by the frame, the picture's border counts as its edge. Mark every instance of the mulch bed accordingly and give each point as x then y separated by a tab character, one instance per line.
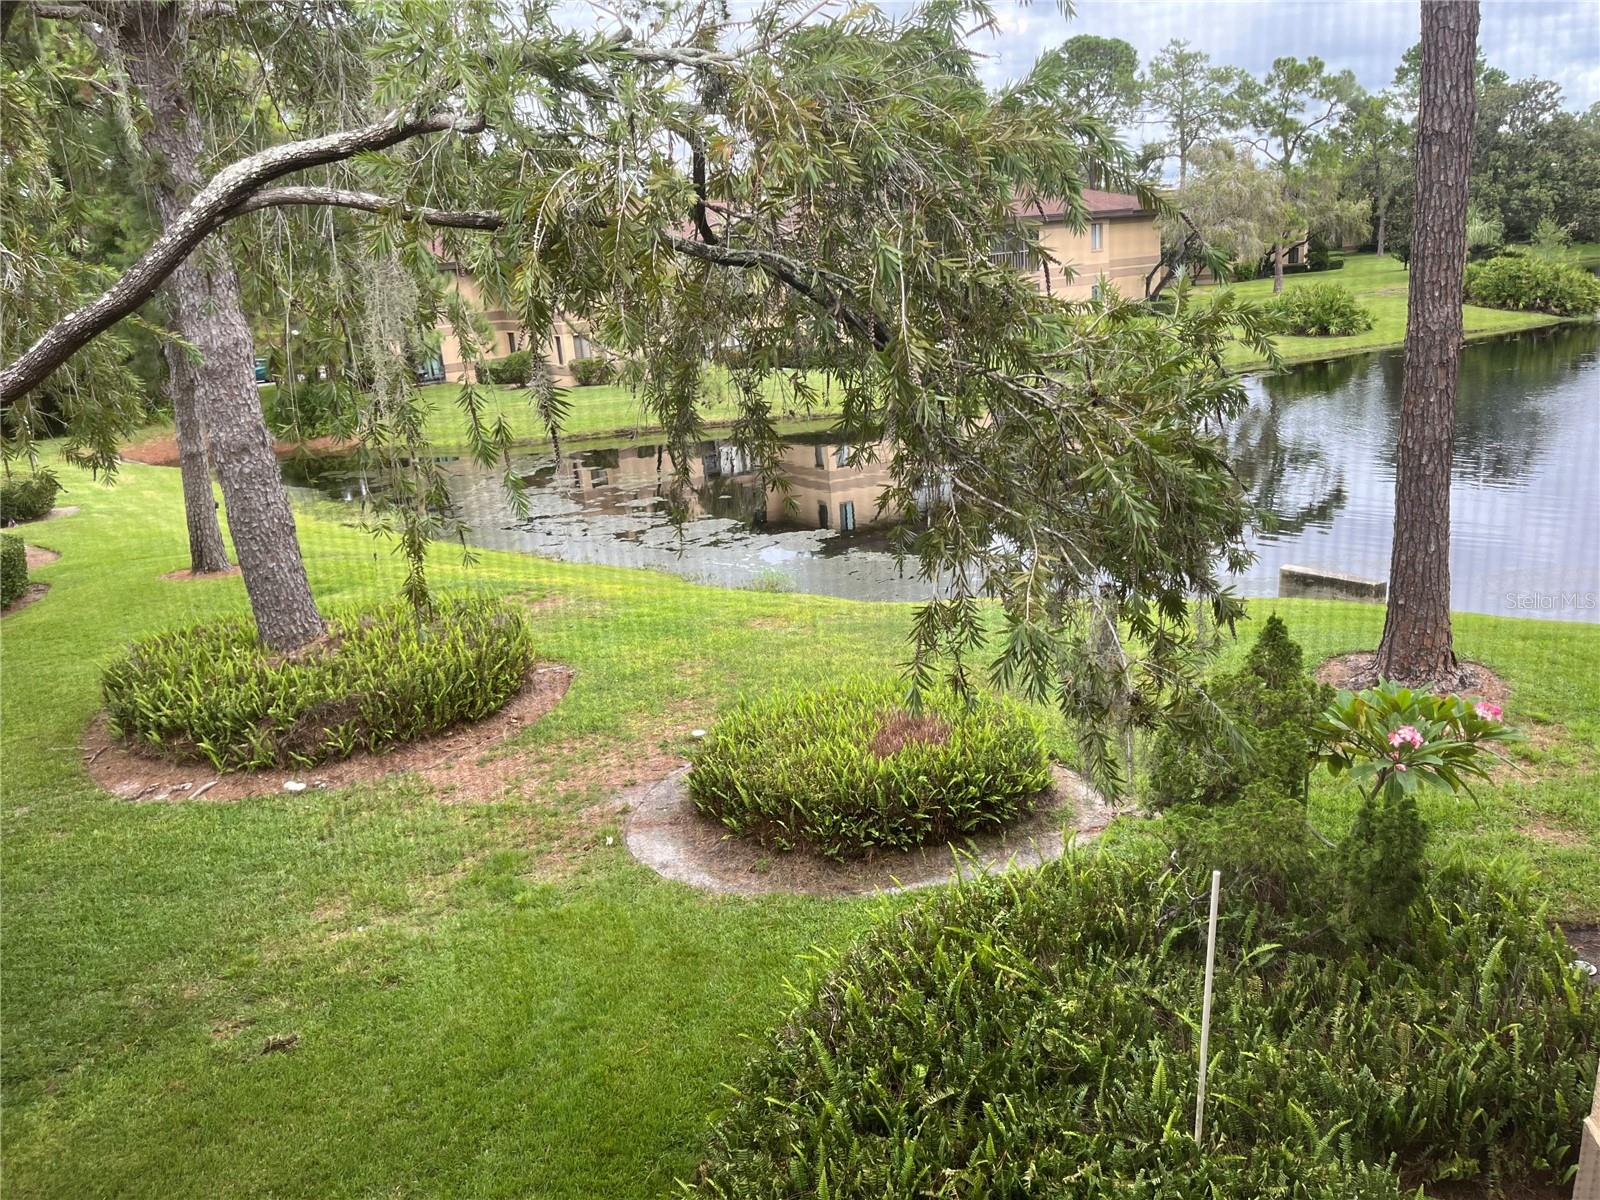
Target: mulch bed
185	575
665	832
163	451
38	556
1354	672
32	593
454	762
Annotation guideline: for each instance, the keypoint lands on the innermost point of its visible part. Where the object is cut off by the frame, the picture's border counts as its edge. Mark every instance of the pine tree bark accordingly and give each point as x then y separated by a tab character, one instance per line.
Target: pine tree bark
1277	267
208	553
1383	221
1417	638
210	314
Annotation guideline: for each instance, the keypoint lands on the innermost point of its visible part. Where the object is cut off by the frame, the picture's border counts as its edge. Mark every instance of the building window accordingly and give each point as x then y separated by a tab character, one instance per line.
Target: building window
1096	235
1294	255
1094	291
822	515
511	342
822	455
842	458
560	357
847	516
580	347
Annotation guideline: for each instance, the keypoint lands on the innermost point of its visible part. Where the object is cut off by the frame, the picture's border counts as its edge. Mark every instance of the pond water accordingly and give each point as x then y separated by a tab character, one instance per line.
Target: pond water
1316	448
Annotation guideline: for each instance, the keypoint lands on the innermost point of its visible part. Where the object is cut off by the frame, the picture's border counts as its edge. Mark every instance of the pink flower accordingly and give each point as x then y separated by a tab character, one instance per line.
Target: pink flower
1399	766
1405	735
1489	712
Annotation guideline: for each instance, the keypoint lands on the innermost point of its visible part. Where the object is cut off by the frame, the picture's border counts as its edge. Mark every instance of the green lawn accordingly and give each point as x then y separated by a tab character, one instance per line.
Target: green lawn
1380	284
610	409
491	998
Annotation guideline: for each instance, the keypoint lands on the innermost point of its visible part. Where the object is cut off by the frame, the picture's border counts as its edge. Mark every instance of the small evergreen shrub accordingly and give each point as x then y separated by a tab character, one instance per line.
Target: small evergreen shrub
846	769
13	568
1318	310
1318	256
1531	283
587	372
380	678
1273	705
514	370
27	497
318	408
1034	1035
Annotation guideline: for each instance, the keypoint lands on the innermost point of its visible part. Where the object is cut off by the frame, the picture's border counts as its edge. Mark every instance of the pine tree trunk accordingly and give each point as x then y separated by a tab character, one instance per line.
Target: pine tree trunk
1416	645
210	315
1383	221
1277	268
208	553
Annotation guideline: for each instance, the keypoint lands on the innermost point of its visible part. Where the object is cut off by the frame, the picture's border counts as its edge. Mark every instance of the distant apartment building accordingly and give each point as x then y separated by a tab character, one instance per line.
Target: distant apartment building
1120	244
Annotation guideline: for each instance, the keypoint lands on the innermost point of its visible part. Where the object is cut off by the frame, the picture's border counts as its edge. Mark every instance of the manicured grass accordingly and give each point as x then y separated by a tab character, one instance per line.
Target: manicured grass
491	999
609	409
1380	284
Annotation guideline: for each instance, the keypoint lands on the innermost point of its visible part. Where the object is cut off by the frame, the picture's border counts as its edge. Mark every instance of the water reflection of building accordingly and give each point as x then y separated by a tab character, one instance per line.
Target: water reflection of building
830	485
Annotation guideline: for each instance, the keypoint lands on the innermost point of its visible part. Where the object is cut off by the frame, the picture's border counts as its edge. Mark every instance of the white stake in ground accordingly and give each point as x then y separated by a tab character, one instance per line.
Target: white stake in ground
1205	1010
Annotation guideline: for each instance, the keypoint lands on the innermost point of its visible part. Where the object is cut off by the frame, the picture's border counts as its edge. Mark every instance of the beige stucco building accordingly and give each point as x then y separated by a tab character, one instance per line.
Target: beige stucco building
569	341
1120	245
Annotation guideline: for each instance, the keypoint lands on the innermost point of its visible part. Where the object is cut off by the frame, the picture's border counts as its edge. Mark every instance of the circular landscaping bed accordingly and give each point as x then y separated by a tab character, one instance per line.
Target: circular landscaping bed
1035	1035
847	771
380	677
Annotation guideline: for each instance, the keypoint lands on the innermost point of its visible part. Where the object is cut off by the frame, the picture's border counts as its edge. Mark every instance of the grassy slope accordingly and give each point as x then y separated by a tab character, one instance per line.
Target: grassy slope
606	409
490	999
1380	284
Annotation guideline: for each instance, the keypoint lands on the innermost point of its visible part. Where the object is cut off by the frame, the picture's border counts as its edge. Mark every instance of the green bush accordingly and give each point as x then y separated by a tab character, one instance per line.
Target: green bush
27	497
1034	1035
1318	310
514	370
305	410
380	678
1318	255
1273	704
589	371
1530	283
13	568
846	769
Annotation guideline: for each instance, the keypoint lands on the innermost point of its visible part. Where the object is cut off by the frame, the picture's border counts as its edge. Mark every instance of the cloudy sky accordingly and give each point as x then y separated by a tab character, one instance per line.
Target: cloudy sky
1554	39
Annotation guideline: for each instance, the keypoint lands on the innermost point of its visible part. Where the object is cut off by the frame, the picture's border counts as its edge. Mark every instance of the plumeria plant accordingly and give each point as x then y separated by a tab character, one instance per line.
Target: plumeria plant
1392	741
1392	737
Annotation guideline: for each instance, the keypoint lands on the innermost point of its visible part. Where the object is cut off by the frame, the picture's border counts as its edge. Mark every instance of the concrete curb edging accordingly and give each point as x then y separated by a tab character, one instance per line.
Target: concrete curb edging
665	832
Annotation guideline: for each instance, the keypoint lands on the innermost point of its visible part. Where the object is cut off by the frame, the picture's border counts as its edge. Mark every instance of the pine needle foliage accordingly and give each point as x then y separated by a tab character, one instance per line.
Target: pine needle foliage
1035	1035
846	769
381	677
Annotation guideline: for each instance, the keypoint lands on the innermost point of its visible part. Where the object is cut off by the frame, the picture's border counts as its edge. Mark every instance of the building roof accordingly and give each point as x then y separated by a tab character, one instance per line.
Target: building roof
1095	201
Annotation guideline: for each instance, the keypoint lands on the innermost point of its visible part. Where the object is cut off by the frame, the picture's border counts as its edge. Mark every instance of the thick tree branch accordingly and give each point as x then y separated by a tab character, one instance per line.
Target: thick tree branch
331	197
216	202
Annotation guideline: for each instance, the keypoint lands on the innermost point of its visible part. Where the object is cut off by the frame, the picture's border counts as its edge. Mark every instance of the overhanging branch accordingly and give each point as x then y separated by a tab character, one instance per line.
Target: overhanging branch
216	203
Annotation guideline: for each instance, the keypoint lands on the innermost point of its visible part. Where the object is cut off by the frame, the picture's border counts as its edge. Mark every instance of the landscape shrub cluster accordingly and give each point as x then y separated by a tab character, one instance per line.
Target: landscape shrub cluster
1260	741
13	568
1533	283
27	497
587	372
847	769
1318	310
1035	1035
514	370
381	677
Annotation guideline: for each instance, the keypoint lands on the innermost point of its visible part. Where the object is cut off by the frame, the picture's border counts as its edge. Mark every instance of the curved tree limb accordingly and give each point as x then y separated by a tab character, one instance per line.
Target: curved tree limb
215	204
332	197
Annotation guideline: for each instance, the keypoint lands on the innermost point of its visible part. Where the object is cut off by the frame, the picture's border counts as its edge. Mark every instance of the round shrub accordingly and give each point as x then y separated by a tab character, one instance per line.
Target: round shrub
587	372
1034	1035
27	497
847	769
514	370
379	678
1530	283
13	568
1318	310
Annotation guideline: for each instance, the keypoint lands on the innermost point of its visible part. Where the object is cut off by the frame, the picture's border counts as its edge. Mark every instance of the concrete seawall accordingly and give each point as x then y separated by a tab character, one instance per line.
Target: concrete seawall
1314	583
